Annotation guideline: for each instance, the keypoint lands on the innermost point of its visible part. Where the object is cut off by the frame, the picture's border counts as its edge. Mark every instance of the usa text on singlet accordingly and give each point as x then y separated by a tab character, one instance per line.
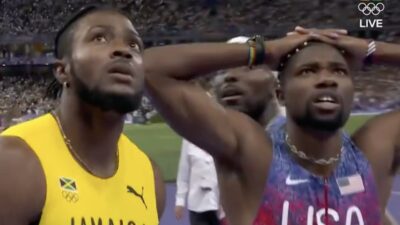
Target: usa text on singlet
294	196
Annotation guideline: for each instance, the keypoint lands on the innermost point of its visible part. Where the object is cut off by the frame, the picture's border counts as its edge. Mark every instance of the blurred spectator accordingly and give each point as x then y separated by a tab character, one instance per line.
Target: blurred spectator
24	96
375	90
197	184
171	16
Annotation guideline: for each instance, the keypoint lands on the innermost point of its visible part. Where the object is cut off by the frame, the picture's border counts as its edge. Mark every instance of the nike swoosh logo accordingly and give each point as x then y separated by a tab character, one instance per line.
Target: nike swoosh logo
291	182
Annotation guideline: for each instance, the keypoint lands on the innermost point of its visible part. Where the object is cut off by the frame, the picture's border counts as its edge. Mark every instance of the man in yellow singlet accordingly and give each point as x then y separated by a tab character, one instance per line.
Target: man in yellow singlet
74	166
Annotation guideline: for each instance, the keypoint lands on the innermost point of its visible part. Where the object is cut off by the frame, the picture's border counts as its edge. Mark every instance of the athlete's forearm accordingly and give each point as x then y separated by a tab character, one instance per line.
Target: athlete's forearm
387	53
184	62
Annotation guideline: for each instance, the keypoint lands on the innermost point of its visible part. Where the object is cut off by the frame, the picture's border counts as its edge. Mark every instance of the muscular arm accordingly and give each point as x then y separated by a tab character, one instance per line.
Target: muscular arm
187	108
22	189
386	127
387	53
379	138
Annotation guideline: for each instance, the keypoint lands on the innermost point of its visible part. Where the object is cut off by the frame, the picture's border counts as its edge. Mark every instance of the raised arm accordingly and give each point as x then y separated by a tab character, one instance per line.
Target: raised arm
387	126
189	110
380	137
387	53
358	48
186	107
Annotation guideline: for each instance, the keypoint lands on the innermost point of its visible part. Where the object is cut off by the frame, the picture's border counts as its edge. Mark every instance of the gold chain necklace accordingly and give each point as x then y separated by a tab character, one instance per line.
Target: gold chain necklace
321	161
71	149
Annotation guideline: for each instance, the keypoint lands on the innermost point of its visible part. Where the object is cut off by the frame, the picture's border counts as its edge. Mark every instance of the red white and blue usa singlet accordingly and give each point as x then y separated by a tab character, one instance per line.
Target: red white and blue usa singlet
294	196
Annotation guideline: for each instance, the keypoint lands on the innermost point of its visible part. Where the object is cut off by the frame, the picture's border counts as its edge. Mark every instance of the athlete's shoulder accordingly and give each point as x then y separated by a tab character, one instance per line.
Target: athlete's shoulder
15	150
22	178
12	139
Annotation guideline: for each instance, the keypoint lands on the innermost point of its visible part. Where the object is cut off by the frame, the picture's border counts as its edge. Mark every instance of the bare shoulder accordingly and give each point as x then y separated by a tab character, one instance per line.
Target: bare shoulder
23	188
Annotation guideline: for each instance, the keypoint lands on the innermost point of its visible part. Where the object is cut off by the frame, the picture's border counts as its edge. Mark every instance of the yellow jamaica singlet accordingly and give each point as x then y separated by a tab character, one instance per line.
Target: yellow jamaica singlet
74	196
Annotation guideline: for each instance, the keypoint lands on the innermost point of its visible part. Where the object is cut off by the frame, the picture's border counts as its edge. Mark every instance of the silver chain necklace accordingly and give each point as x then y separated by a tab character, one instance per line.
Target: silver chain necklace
71	149
302	155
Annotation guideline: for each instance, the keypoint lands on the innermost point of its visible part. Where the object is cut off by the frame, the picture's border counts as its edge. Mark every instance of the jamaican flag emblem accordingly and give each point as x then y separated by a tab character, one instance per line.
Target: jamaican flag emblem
68	184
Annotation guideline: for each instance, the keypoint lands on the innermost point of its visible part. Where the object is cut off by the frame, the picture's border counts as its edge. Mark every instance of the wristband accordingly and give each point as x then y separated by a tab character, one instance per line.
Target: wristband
370	52
256	51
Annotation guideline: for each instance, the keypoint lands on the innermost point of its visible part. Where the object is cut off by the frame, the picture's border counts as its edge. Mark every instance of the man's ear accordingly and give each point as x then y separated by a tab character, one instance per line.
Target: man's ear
60	71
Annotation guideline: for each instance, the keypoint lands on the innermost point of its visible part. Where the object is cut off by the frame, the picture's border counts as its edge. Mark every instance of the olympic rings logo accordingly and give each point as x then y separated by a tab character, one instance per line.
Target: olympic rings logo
371	8
70	196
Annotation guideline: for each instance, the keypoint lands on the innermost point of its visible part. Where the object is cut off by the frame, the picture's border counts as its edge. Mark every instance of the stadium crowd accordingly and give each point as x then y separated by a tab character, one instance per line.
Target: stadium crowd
376	90
24	97
22	17
31	17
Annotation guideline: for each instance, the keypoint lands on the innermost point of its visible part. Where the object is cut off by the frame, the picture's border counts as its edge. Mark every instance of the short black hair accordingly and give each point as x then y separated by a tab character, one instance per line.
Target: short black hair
286	59
63	39
62	45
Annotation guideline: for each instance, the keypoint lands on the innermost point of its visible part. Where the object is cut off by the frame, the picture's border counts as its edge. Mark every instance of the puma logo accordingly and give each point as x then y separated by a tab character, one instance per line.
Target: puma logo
134	192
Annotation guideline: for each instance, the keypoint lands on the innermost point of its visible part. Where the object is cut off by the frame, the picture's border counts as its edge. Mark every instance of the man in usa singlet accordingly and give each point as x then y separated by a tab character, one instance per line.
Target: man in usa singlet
306	171
74	166
294	195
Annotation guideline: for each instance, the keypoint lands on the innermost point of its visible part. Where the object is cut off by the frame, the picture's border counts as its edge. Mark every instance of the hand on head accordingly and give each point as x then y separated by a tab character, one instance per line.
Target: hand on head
278	48
355	48
332	33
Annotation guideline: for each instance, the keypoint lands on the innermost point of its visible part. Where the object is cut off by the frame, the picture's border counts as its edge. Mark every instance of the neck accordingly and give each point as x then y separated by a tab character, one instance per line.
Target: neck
270	112
315	143
93	133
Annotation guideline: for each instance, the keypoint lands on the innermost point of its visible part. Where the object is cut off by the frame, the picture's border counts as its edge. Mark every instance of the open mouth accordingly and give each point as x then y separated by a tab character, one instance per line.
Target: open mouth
121	69
231	94
326	102
121	72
